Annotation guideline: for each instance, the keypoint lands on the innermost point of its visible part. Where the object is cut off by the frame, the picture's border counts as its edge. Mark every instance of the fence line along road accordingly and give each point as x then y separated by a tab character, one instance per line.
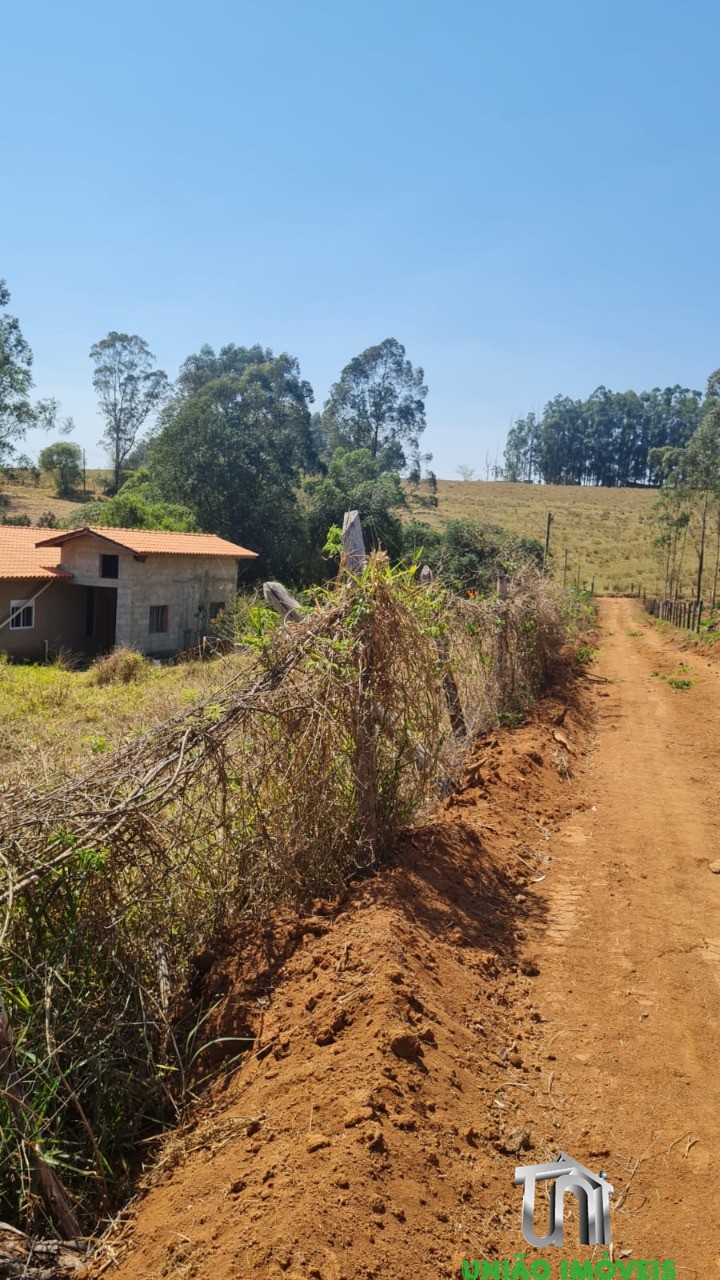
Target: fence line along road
682	613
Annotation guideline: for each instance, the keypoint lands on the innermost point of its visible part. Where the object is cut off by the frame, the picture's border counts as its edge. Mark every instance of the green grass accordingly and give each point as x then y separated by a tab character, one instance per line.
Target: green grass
607	532
54	721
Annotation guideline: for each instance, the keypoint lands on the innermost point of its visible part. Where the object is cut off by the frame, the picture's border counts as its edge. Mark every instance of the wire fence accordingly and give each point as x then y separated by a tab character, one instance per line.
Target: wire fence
294	777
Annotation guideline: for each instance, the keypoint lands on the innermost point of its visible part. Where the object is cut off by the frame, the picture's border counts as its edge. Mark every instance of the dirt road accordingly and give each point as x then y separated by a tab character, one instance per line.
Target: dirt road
539	970
630	958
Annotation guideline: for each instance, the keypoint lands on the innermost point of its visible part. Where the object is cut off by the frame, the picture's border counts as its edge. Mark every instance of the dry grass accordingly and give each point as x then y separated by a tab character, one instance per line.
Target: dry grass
607	532
25	498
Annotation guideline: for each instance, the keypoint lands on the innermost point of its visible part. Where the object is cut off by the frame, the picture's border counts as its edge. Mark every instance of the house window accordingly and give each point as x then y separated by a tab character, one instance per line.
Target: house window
158	619
109	567
22	615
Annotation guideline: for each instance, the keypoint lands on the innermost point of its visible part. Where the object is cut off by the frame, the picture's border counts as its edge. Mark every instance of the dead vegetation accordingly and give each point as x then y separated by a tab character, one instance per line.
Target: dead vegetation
291	779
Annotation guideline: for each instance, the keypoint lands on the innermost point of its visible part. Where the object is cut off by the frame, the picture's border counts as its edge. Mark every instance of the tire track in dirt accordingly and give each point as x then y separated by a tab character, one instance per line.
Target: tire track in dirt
630	961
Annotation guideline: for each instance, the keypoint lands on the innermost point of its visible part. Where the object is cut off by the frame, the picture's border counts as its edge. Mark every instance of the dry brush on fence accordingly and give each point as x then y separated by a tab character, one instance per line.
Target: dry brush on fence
296	775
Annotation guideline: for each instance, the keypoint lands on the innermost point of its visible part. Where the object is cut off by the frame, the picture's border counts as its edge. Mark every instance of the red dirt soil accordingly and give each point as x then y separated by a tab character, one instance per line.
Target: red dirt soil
538	971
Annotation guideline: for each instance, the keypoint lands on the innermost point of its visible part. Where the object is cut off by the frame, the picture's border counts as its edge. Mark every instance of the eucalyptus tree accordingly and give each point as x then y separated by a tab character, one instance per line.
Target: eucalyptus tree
378	404
234	449
130	389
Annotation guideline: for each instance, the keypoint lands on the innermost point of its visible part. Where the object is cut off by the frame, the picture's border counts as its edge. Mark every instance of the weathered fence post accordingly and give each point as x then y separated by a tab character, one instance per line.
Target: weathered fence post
699	615
502	636
281	601
354	560
546	552
354	557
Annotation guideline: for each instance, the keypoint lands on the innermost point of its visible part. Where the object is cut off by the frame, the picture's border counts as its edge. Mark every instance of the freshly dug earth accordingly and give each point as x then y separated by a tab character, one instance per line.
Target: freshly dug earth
539	971
375	1127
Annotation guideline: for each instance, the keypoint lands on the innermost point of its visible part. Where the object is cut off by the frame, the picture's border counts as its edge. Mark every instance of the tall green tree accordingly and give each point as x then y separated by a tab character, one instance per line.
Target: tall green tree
354	481
207	366
671	513
234	452
522	449
17	413
378	404
129	388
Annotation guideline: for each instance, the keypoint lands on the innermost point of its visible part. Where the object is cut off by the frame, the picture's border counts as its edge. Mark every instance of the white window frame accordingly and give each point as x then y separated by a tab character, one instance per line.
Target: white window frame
17	609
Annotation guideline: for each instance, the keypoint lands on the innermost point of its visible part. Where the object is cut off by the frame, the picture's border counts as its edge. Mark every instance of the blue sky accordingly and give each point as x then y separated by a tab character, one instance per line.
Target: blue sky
527	195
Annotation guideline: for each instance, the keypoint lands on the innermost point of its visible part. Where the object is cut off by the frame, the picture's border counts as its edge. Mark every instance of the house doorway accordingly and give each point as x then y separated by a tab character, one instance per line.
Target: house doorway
100	617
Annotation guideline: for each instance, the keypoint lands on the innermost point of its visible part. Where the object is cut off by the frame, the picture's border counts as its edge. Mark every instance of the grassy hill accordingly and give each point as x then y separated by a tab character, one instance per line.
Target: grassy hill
607	532
27	498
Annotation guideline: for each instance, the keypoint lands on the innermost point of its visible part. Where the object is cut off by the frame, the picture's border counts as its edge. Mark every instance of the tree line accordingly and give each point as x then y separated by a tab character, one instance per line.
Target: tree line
233	446
608	439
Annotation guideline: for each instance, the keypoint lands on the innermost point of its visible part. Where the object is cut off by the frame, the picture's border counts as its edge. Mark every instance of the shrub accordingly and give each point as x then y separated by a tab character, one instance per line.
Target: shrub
122	666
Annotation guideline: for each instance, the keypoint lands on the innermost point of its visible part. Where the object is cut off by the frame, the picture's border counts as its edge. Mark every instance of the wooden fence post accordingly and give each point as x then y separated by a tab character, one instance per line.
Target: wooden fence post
279	599
353	560
354	557
546	552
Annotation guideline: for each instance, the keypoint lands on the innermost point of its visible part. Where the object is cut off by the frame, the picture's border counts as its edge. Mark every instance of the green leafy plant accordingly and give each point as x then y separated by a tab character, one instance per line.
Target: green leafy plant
585	654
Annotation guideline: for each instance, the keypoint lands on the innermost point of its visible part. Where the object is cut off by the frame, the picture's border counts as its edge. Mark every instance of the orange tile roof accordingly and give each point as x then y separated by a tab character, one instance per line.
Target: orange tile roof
156	541
21	557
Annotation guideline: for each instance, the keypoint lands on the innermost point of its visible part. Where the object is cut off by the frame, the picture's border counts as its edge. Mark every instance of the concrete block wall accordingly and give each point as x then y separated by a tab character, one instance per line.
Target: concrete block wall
186	585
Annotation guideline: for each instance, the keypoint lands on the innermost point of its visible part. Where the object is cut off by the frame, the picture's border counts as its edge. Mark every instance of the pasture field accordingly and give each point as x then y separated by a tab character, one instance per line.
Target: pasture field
607	532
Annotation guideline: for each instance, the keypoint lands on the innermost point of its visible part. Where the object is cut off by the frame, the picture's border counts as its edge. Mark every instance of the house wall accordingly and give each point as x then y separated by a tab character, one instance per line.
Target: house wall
186	585
59	618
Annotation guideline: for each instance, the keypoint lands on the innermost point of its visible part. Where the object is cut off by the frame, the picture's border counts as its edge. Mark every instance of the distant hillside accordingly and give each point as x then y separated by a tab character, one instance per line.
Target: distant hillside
25	498
607	532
